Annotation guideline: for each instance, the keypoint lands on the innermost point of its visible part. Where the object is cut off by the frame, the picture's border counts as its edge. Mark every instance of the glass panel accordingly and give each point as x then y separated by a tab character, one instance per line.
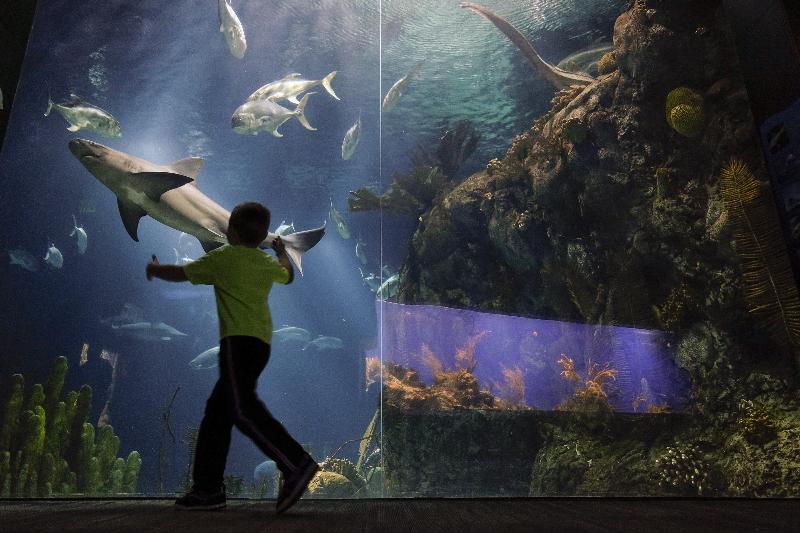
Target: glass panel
552	262
146	352
585	303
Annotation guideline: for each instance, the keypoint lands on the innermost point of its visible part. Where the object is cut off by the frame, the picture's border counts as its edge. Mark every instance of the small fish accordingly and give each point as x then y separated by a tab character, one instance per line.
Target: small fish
256	116
291	334
23	259
82	115
389	287
231	27
284	228
372	281
84	354
351	139
337	219
53	257
206	360
325	343
80	233
360	252
290	86
397	90
148	331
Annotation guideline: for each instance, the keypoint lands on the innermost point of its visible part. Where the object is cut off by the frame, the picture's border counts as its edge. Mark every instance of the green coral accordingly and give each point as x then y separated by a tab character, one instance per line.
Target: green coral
685	111
50	449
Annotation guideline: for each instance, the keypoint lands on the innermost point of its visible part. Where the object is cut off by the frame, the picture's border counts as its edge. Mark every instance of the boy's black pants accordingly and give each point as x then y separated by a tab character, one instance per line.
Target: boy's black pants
234	402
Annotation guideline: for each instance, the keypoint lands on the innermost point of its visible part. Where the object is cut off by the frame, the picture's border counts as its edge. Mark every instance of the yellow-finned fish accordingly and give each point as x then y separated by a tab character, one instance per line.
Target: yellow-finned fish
231	27
337	219
290	86
82	115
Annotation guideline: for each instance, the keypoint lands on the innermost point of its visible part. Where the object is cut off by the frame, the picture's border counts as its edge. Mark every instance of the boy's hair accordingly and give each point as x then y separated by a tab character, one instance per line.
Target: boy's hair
250	220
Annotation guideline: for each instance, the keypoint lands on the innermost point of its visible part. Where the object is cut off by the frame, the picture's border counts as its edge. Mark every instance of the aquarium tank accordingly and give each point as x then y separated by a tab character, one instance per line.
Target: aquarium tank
540	253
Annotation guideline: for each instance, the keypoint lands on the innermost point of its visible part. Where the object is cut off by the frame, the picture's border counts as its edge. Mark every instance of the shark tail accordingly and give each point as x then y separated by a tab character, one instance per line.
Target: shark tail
300	242
49	106
300	112
75	226
326	82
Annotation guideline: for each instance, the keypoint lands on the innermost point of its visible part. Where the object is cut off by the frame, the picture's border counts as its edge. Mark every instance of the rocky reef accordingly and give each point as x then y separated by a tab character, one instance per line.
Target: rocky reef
47	447
612	209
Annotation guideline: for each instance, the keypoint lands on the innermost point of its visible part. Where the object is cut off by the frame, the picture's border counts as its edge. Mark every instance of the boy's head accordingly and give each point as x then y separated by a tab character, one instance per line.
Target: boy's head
249	224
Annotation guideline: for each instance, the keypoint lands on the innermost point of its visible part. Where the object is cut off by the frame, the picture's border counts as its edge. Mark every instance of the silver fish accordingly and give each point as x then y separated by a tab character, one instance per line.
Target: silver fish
291	334
148	331
53	257
397	90
337	219
256	116
23	259
80	233
82	115
231	27
325	343
372	281
389	287
207	359
360	252
350	140
290	86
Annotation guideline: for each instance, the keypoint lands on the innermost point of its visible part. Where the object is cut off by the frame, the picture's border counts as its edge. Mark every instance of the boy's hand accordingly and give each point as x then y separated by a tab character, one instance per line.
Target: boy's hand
149	269
278	246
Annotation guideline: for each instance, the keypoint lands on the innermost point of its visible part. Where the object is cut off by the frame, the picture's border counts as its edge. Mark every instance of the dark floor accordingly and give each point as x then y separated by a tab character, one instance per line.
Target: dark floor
418	515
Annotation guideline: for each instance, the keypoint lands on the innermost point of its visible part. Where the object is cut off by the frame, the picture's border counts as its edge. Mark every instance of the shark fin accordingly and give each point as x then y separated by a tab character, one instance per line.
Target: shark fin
300	242
210	245
130	214
293	99
154	184
190	166
73	128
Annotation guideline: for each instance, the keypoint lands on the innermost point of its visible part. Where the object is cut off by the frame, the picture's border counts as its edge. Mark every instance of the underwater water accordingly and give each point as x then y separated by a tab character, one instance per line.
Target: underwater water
361	373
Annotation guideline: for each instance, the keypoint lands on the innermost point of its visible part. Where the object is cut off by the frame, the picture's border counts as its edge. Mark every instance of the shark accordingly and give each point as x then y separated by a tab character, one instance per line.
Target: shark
169	194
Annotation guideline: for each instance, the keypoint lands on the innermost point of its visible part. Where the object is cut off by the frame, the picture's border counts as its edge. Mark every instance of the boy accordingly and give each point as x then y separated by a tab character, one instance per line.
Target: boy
242	276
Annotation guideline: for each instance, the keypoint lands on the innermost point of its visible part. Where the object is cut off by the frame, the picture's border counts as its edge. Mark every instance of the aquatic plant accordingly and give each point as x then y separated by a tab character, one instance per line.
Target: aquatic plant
50	449
345	467
191	447
512	388
591	389
682	469
368	441
456	144
234	485
607	63
770	291
685	111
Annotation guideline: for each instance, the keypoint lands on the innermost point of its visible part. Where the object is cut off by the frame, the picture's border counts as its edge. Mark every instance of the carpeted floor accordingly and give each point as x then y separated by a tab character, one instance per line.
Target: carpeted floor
418	515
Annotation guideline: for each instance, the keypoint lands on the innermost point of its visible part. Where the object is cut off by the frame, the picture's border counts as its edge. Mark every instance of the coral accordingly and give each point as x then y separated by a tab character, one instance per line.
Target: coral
685	111
512	389
330	485
687	120
682	469
50	449
575	130
344	467
771	293
131	477
591	389
755	422
607	63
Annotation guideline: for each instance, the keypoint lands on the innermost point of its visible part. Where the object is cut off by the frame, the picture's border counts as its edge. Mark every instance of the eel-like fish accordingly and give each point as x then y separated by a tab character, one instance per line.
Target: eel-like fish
558	77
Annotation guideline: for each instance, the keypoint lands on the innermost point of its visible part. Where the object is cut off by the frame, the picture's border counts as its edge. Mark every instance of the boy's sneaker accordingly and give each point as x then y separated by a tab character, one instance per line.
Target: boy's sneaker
295	486
199	500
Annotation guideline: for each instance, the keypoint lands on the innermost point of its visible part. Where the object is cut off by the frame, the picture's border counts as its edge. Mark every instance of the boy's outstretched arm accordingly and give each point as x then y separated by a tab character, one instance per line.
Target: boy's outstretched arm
166	272
283	259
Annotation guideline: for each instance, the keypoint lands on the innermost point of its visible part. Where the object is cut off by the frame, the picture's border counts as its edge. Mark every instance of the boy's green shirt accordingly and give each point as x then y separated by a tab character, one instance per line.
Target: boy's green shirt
242	278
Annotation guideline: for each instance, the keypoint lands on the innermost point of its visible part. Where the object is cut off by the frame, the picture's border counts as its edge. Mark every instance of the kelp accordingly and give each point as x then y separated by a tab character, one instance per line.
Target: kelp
770	290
